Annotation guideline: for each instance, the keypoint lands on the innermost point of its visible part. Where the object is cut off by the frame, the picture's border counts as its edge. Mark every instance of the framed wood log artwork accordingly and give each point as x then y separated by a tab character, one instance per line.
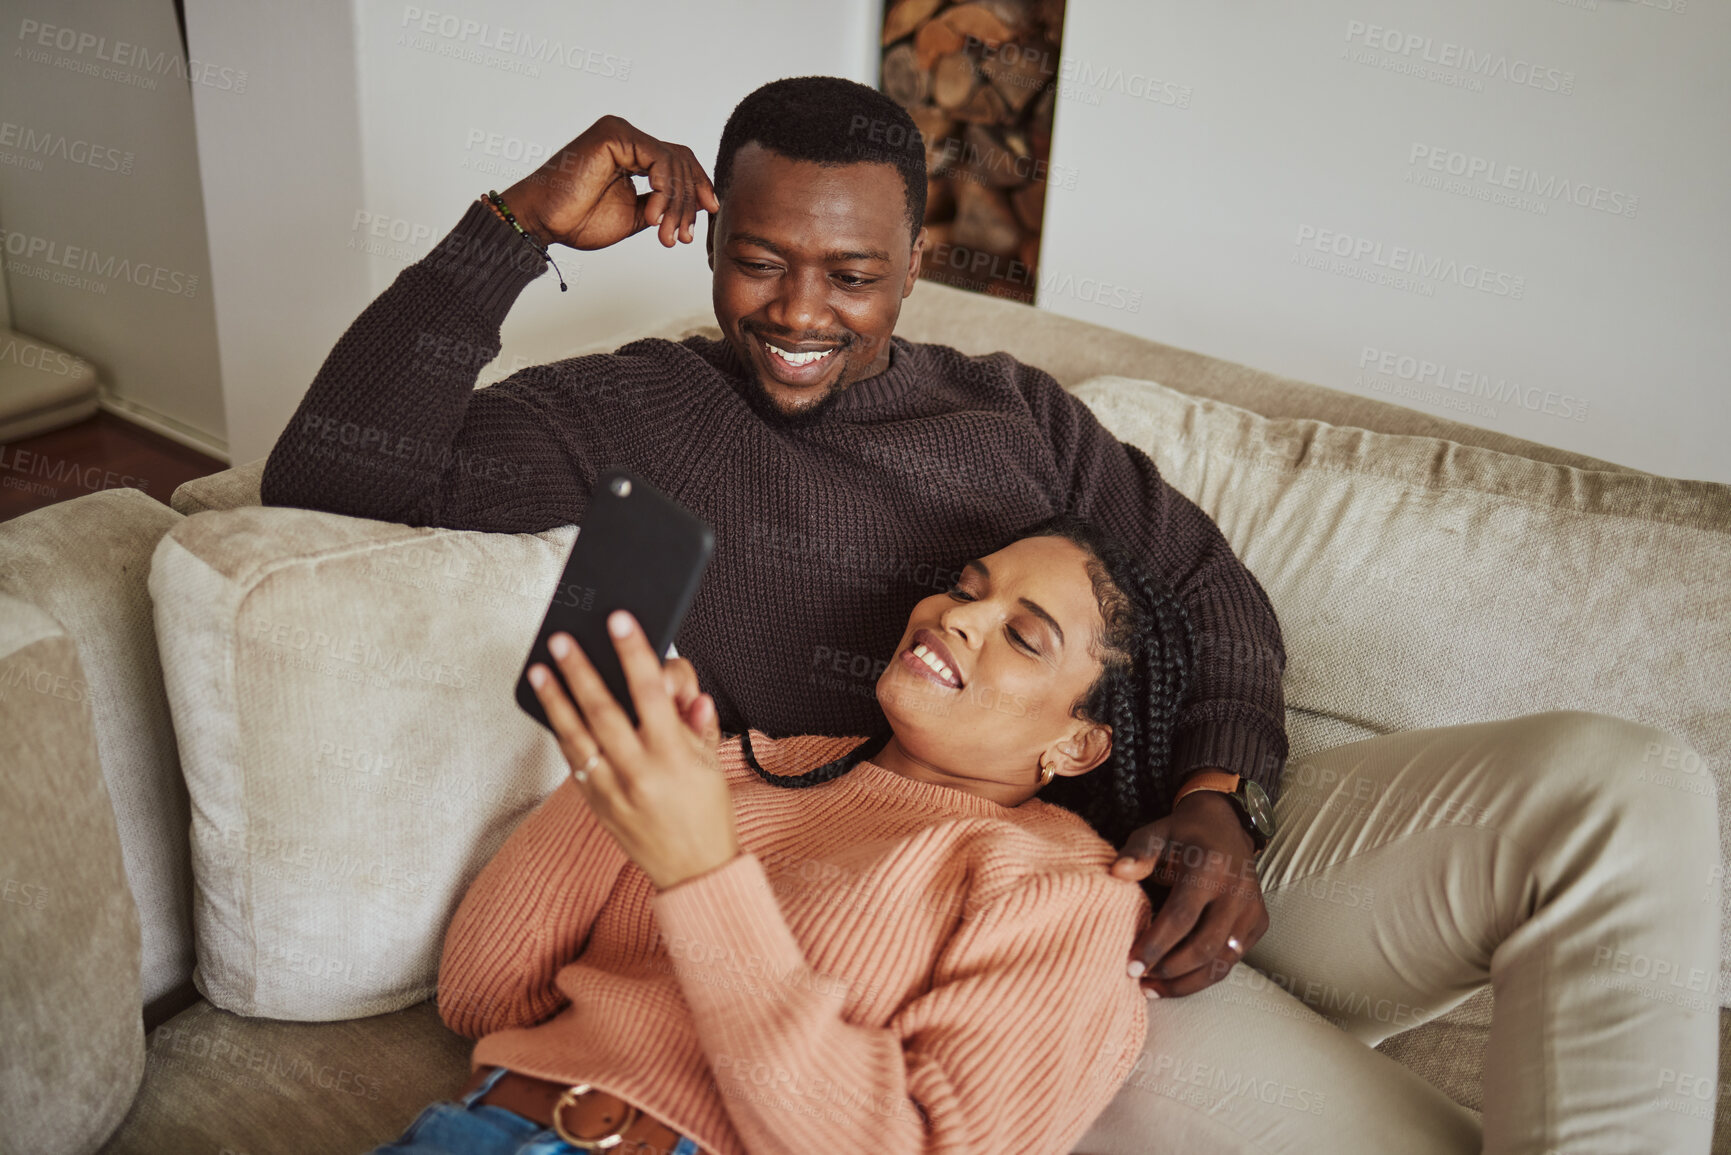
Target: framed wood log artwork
980	80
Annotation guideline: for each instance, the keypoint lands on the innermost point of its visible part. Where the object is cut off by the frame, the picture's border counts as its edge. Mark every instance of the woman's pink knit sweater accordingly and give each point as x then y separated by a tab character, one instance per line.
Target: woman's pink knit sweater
887	966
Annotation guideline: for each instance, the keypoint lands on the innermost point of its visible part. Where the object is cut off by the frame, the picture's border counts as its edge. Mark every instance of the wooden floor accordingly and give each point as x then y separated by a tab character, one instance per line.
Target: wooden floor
100	452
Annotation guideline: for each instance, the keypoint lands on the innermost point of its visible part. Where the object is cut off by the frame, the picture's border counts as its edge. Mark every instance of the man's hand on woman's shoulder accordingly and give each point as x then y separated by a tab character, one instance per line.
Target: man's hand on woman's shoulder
583	195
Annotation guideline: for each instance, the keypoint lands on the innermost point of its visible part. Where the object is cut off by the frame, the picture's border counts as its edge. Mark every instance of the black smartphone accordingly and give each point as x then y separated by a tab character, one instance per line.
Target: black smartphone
637	550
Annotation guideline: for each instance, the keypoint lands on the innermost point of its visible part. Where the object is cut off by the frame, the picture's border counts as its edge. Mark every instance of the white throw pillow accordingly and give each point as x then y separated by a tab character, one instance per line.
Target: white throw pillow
342	691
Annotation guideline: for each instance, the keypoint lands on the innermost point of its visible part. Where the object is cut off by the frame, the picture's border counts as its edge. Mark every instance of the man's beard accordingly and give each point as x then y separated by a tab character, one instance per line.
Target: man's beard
757	396
765	407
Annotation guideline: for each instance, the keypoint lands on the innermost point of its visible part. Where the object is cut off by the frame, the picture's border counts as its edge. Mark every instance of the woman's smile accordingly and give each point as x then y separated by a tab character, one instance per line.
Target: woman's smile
928	657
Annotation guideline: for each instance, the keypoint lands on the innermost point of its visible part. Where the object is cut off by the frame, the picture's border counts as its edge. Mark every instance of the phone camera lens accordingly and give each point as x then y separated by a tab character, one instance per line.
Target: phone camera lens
620	487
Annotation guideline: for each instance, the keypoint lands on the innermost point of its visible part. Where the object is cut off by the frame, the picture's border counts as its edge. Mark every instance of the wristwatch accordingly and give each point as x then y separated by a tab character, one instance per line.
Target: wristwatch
1255	811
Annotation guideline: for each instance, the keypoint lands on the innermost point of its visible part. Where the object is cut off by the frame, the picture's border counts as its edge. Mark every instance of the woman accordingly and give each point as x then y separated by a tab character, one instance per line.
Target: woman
906	951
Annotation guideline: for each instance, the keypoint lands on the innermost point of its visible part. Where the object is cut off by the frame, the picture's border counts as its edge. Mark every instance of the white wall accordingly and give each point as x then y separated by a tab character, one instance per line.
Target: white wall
371	124
281	169
1211	147
1239	165
100	201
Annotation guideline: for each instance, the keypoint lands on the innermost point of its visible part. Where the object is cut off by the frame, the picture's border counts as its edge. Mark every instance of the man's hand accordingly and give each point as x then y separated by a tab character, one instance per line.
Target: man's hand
1203	853
583	196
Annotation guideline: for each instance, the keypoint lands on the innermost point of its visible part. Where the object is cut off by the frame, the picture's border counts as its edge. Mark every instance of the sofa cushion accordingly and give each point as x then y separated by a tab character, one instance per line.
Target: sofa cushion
69	936
230	489
84	562
343	693
217	1082
1424	583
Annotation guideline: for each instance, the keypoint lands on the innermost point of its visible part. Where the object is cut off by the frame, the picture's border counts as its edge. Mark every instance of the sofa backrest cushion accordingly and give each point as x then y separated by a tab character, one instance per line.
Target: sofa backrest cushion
84	562
1423	583
343	692
69	933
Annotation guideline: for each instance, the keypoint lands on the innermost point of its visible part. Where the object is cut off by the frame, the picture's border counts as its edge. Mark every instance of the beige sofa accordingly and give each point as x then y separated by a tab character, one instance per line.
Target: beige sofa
275	744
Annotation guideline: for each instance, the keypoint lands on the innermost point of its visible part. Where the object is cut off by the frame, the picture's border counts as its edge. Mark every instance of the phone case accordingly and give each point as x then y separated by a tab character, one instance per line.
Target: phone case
636	550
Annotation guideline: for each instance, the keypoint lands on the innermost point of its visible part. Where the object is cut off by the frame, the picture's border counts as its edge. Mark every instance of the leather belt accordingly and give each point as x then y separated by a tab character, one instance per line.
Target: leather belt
587	1118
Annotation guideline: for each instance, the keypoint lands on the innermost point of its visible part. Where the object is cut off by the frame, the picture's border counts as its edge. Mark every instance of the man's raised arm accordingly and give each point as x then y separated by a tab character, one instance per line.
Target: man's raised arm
393	427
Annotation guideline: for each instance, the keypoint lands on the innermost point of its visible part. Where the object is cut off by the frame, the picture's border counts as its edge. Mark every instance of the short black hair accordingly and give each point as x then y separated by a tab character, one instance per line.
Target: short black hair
831	121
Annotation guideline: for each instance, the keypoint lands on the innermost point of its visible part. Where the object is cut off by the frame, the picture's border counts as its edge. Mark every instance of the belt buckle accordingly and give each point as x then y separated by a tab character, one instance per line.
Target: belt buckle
567	1098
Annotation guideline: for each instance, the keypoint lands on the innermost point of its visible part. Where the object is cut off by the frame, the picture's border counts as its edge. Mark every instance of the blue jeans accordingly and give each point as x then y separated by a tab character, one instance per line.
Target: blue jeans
466	1129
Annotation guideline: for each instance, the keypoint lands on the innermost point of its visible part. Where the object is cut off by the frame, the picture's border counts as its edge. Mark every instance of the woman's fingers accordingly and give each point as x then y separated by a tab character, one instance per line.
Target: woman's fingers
575	741
657	718
603	716
680	678
705	720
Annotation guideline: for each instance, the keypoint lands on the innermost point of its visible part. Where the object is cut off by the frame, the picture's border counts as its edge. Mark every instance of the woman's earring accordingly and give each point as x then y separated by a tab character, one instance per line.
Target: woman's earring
1046	775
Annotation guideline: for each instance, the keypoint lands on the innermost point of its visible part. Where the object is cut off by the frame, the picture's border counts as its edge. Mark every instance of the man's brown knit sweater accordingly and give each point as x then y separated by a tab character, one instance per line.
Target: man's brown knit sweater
826	534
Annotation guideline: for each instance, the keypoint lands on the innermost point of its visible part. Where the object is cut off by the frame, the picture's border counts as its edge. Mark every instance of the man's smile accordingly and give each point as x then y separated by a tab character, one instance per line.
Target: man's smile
796	364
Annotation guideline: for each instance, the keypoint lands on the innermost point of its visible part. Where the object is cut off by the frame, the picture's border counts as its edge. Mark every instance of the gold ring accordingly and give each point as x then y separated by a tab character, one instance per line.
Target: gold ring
582	772
1233	945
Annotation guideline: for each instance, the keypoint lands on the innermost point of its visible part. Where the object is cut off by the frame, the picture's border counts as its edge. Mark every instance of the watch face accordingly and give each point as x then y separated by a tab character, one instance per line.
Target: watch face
1257	805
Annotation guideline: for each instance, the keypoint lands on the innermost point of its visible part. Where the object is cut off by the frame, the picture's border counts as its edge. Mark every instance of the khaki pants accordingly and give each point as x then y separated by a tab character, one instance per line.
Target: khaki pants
1570	860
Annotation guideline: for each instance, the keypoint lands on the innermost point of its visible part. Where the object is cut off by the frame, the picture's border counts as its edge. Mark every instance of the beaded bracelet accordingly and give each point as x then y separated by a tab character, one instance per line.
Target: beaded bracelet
503	211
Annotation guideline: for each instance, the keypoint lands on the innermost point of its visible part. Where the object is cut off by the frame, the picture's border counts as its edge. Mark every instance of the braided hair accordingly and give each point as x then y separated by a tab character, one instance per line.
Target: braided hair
1146	652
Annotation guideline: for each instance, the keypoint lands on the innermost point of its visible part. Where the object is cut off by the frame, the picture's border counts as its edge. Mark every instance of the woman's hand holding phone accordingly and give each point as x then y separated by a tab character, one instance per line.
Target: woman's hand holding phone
658	787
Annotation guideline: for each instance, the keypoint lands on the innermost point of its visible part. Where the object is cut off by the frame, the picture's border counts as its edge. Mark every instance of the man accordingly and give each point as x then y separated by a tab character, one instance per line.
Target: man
847	472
